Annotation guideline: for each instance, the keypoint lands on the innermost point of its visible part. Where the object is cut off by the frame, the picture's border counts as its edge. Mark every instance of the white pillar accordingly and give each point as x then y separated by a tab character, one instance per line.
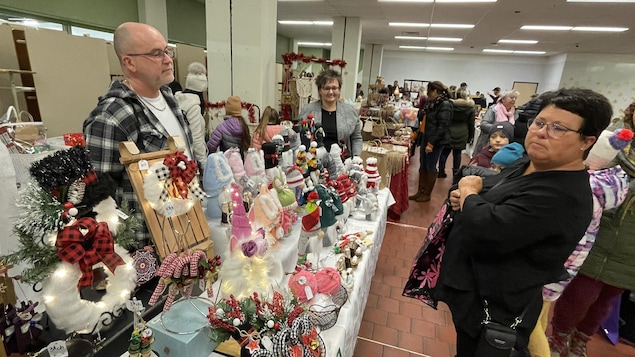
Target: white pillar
241	50
155	14
373	55
345	39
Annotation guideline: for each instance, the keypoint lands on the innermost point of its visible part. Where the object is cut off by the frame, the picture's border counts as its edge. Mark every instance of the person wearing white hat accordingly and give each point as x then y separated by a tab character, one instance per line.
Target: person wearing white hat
192	102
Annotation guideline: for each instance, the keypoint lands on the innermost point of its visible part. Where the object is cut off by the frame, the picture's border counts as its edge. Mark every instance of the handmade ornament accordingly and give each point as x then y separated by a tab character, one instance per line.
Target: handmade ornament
606	148
270	152
266	214
295	181
145	263
236	163
217	175
171	187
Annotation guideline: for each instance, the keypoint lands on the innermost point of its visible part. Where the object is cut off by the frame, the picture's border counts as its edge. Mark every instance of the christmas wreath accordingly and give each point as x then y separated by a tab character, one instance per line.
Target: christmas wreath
249	107
65	229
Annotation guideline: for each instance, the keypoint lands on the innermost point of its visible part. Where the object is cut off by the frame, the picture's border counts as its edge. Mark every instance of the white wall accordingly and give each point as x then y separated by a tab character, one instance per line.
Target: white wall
613	76
553	73
481	72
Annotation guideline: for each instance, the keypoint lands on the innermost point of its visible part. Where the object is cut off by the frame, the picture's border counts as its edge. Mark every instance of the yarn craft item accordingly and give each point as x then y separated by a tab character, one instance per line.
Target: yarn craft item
304	285
606	148
145	263
301	161
236	163
217	175
255	169
373	175
266	213
171	187
240	226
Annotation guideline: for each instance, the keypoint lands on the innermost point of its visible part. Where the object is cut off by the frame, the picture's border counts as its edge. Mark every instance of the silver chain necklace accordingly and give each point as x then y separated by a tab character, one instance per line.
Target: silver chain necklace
144	101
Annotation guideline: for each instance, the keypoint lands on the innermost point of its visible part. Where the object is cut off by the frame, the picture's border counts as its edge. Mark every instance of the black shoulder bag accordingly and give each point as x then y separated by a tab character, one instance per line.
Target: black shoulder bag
497	339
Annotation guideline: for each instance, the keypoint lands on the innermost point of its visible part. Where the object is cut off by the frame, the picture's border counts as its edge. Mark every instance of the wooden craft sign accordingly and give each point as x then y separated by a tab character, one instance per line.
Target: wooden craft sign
169	234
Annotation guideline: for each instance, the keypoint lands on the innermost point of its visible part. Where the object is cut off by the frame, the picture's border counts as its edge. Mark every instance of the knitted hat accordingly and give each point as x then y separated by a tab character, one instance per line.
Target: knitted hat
506	127
254	164
302	281
196	78
285	195
300	161
264	212
312	156
328	281
235	162
606	148
311	220
233	107
241	228
508	154
294	177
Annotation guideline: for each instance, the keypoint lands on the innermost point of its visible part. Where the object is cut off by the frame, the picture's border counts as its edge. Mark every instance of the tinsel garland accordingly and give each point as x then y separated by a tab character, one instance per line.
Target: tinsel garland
61	168
291	57
244	105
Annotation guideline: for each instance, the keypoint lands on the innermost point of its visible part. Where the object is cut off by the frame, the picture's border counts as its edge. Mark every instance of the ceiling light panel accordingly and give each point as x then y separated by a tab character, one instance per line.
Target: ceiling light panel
408	24
512	52
600	29
520	42
546	28
604	1
437	39
305	23
314	44
427	48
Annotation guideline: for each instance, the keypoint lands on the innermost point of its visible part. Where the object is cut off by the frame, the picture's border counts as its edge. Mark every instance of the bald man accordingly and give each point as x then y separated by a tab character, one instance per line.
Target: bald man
140	108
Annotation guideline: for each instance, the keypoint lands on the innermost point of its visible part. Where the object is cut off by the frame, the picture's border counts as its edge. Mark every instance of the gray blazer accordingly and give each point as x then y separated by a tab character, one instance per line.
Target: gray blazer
349	126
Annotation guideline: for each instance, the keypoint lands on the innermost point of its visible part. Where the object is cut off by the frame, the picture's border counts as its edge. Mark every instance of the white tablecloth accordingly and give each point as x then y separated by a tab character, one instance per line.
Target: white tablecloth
343	335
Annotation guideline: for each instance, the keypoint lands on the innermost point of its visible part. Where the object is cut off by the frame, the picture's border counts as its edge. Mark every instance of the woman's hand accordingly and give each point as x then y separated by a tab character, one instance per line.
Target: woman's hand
469	185
455	200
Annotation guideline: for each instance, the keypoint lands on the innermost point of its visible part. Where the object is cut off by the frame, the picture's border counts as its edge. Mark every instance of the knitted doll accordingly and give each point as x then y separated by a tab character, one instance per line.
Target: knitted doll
266	214
255	169
295	181
236	164
331	206
373	176
217	175
336	166
287	200
270	151
301	161
311	228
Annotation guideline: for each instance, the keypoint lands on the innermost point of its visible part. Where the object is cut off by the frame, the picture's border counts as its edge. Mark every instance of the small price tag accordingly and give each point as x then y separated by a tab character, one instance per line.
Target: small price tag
57	349
143	164
308	292
201	284
169	209
267	343
121	215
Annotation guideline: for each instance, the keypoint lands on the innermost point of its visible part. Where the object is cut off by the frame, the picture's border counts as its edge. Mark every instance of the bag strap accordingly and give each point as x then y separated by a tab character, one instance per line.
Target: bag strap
12	110
28	115
517	320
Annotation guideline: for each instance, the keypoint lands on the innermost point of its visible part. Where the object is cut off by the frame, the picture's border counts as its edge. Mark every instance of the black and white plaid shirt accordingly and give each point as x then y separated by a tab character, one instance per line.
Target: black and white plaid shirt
121	116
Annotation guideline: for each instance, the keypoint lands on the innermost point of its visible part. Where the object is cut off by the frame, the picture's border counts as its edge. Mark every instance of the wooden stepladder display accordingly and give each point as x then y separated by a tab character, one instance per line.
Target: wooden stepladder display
170	234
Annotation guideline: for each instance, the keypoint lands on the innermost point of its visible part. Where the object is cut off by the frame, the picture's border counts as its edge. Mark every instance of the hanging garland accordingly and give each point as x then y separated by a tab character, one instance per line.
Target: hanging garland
244	105
291	57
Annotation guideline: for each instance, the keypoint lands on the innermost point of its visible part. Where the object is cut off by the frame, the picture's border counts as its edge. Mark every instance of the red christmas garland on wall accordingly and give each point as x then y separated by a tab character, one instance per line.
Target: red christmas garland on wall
244	105
291	57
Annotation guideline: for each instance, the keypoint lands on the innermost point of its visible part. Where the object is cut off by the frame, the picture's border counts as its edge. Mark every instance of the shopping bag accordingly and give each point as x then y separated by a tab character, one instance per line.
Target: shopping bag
427	263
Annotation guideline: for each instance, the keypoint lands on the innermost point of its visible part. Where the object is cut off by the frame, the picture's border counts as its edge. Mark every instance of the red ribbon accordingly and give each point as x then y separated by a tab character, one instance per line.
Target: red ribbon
181	175
95	246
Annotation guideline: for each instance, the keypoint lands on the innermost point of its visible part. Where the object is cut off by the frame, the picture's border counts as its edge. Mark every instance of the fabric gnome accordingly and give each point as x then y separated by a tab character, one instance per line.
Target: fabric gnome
235	161
216	180
287	200
311	232
295	181
606	148
301	161
331	206
255	169
266	214
240	226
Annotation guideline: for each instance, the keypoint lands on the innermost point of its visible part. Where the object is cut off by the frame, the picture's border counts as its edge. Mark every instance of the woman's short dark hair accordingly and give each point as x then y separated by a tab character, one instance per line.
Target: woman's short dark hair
439	87
594	108
326	76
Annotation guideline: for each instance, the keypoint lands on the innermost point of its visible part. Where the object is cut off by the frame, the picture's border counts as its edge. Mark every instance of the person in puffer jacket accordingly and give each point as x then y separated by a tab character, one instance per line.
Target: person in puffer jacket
233	131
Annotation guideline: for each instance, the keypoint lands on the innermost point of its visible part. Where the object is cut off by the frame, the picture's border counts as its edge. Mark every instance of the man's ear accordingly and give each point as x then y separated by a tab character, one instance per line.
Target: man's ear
129	64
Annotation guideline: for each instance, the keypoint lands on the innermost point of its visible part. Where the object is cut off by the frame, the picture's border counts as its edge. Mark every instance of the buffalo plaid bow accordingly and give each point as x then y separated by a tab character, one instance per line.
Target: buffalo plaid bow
95	246
182	171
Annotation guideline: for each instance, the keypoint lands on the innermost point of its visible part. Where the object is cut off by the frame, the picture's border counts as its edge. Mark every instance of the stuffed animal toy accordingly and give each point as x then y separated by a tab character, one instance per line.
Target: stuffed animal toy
216	177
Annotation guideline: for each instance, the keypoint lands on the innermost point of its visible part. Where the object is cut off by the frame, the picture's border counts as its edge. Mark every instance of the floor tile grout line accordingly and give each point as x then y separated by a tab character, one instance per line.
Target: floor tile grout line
391	346
406	225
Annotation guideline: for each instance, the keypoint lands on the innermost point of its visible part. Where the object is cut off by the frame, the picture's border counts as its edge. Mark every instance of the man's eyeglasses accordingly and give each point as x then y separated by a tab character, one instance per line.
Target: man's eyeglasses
156	54
554	130
334	89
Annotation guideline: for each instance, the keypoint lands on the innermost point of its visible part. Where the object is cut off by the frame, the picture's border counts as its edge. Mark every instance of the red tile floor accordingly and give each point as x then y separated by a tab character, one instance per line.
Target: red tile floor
395	326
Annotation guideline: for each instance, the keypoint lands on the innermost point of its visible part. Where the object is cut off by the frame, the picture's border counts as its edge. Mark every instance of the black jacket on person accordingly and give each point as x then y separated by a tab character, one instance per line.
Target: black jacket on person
438	118
526	112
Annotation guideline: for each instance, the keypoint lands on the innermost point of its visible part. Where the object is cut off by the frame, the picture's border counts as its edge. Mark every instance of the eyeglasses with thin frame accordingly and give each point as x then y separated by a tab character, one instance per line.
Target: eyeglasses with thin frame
155	54
334	89
554	130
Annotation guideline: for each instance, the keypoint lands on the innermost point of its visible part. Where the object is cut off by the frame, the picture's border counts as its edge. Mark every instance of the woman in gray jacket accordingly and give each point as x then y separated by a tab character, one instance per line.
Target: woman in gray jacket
340	121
